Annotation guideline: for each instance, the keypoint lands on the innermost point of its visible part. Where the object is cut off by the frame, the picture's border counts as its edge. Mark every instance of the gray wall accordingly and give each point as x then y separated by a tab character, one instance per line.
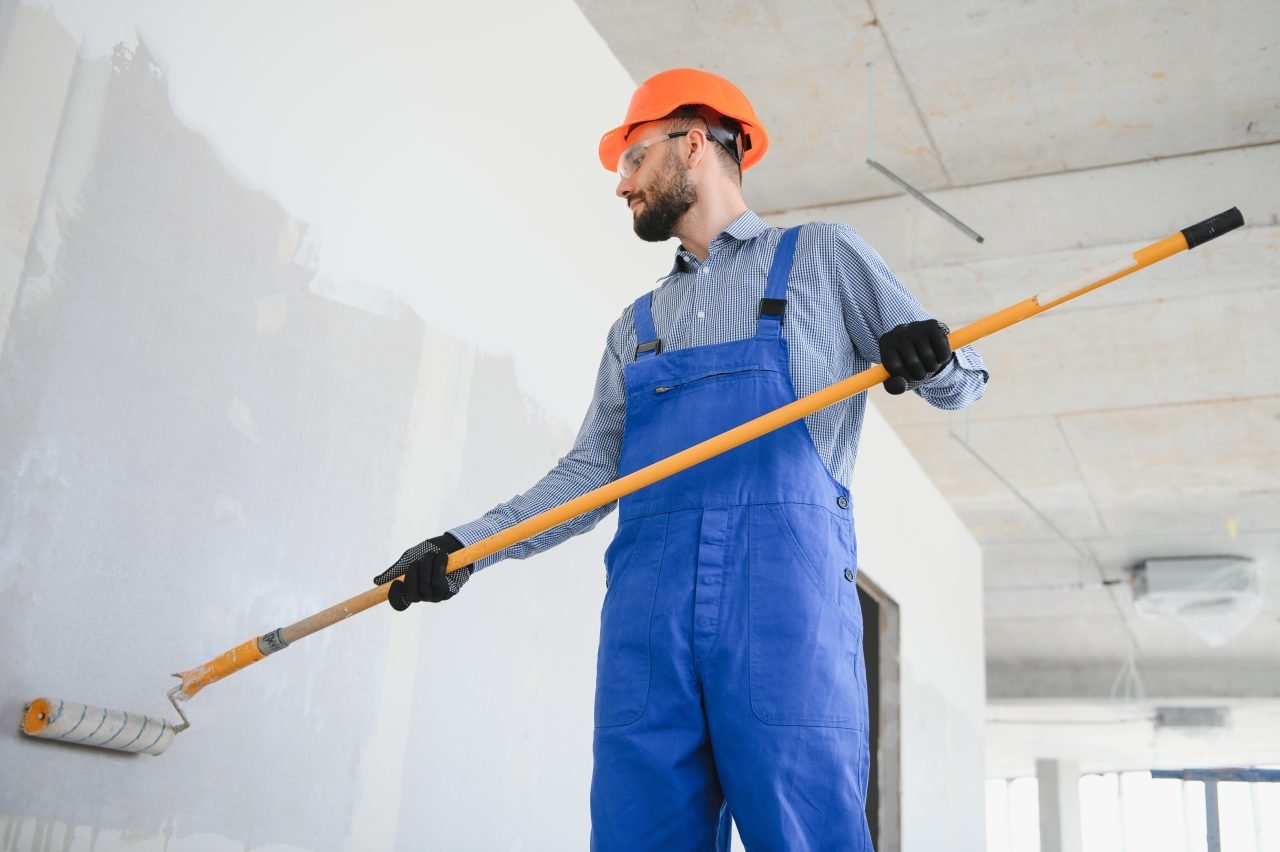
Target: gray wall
190	439
235	384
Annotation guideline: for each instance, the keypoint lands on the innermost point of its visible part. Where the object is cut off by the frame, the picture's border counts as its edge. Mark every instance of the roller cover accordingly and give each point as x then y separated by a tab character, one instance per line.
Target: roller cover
84	724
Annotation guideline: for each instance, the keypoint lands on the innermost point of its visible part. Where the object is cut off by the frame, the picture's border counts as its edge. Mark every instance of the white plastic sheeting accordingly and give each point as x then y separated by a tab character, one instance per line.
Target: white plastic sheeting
1214	596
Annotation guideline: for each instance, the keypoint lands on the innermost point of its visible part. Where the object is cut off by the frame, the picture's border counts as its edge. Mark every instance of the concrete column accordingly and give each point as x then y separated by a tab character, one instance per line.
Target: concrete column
1059	782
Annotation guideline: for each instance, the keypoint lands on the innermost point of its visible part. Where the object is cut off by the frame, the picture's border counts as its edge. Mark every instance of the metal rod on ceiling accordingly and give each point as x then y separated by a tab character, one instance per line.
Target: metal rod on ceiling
910	190
925	200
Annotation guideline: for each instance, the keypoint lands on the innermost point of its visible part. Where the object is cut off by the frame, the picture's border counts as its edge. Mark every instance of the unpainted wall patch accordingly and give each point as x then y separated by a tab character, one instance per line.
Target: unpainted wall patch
272	311
241	417
229	509
375	300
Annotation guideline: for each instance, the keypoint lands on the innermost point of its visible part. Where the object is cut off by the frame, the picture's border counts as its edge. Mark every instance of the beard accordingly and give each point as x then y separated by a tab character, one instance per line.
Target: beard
665	202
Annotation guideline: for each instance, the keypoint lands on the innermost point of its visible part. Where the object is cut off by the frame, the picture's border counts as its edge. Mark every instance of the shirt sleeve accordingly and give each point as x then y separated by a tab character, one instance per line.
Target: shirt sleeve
874	301
591	463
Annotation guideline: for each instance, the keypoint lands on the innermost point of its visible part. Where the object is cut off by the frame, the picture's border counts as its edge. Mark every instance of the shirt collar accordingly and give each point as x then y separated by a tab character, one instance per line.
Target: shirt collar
745	227
748	226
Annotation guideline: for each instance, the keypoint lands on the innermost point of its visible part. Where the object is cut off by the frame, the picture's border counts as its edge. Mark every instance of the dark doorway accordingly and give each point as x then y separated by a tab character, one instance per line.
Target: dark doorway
880	652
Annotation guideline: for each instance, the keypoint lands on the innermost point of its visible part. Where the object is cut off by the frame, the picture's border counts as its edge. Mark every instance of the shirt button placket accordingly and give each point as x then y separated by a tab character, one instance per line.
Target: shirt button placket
701	302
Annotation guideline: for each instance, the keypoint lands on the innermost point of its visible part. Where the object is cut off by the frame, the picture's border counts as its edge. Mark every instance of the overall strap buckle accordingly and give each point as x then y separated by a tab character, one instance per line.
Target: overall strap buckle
647	342
773	308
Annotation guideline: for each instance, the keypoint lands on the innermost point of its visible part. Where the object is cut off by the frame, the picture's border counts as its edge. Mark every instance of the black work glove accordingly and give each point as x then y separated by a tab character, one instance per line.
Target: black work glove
425	578
914	353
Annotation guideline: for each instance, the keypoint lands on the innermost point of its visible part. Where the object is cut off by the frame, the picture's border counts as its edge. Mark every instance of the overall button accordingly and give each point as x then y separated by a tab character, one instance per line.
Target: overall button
848	574
842	502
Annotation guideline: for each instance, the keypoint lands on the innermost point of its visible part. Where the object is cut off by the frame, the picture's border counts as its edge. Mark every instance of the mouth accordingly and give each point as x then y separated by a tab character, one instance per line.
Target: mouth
633	202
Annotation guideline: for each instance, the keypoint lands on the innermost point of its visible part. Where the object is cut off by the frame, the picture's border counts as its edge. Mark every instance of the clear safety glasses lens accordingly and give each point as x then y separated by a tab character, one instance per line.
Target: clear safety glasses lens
629	162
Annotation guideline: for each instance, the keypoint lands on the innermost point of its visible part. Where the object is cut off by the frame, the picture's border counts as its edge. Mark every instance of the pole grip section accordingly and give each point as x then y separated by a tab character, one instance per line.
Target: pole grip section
239	657
1213	227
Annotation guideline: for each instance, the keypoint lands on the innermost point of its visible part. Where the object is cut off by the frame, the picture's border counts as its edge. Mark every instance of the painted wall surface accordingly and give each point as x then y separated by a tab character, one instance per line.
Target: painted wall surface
278	299
919	552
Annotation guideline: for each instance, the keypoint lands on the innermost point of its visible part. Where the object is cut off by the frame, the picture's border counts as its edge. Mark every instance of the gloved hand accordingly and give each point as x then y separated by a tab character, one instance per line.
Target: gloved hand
425	578
914	353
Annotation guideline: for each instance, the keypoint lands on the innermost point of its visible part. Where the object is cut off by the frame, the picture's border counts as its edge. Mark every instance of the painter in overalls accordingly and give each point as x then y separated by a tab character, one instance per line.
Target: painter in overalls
730	678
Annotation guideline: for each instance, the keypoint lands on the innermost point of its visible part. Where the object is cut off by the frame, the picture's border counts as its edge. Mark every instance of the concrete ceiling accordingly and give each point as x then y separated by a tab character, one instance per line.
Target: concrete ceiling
1143	420
968	91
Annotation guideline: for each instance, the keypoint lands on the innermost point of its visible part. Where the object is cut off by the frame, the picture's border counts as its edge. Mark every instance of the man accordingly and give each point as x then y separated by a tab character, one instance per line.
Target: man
730	670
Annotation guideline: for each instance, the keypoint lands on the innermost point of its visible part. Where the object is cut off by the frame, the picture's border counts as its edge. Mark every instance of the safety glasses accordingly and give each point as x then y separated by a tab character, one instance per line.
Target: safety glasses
629	162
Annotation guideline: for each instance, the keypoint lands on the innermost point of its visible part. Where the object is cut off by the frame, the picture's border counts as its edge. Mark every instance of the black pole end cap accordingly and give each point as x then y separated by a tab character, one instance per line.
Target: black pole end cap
1214	226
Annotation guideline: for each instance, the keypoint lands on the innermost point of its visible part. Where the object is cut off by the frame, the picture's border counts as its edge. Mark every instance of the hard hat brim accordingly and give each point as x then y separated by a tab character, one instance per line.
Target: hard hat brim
615	141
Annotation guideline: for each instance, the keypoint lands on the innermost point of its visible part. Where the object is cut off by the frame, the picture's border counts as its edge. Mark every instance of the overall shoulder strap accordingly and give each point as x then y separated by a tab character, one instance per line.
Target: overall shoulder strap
774	304
647	342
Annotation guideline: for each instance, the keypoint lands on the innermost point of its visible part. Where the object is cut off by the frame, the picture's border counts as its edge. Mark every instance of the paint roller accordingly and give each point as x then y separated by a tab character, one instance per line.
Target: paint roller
84	724
55	719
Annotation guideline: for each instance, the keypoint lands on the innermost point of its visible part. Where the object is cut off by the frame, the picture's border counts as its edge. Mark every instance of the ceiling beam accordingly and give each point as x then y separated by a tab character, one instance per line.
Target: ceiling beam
1084	680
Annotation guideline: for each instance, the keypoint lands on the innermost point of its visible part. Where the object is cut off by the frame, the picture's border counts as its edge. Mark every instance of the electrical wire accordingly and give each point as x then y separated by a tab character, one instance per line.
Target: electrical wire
1127	685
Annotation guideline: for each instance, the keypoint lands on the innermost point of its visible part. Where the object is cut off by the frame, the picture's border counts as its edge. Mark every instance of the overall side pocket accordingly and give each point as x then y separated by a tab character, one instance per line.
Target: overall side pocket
623	662
803	654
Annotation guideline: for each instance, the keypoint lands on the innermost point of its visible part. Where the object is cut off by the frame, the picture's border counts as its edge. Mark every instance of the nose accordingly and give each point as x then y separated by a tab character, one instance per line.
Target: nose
624	188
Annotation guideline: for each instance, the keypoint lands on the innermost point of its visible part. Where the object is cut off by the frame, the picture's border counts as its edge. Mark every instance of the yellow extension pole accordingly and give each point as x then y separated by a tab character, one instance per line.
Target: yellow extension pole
193	680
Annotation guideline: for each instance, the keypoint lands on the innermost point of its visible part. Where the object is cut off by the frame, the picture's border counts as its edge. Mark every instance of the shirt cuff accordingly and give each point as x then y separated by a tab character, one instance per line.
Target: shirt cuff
478	530
968	358
961	359
944	371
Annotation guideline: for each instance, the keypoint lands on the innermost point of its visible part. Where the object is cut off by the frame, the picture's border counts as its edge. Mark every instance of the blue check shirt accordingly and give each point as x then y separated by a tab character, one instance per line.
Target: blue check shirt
840	299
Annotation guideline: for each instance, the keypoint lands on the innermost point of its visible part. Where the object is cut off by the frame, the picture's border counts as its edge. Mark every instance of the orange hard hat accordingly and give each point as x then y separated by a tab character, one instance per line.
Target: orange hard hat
664	93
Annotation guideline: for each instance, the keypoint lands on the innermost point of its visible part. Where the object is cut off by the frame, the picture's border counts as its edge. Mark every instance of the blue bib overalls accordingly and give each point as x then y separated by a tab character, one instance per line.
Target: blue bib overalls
730	670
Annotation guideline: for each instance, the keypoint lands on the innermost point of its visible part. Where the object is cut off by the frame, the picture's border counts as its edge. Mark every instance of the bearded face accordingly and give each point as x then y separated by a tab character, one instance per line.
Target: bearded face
666	199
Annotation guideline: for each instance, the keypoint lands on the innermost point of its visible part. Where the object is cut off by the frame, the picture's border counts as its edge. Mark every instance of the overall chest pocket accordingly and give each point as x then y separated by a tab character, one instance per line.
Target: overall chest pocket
804	632
669	389
624	663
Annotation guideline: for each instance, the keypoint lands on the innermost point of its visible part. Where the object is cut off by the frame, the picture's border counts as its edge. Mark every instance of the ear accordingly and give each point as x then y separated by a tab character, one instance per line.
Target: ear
698	142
